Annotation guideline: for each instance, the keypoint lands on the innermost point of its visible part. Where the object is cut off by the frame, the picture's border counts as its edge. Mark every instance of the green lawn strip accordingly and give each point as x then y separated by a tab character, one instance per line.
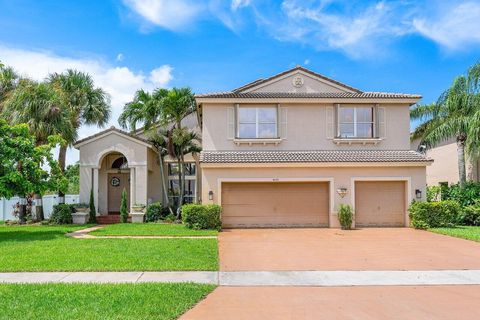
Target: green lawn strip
464	232
150	229
99	301
46	248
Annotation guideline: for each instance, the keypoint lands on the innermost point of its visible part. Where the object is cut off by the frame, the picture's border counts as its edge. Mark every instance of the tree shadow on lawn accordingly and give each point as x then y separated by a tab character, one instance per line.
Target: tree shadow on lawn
25	236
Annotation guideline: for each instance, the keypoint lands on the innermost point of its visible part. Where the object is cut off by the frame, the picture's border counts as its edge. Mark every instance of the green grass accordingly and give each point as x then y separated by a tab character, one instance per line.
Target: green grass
151	229
99	301
46	248
464	232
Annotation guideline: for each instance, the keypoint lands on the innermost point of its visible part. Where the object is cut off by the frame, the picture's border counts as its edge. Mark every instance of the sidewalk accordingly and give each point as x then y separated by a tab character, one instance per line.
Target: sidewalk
258	278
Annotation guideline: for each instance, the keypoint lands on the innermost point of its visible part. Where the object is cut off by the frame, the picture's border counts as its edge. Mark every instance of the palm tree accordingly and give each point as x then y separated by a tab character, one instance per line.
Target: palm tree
177	104
9	80
85	104
456	115
39	106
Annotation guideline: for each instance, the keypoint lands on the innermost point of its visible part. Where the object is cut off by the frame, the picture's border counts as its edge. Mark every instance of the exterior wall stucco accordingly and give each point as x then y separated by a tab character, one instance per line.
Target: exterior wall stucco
340	177
306	130
285	85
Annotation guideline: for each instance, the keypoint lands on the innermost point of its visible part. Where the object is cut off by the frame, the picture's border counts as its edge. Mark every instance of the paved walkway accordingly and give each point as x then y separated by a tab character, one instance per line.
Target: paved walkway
262	278
84	234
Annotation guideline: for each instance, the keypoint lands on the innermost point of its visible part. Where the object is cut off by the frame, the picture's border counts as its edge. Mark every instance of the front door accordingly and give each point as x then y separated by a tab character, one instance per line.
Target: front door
116	183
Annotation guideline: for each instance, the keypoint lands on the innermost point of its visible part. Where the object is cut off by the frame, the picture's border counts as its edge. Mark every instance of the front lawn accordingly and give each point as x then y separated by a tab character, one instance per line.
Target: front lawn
150	229
469	233
99	301
46	248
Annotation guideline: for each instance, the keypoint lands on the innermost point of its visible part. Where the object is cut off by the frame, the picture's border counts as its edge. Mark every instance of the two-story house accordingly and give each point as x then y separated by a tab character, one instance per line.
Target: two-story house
280	151
287	150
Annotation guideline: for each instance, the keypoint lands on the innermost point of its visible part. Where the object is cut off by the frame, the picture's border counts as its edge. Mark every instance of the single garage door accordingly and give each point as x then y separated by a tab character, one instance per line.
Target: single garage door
380	203
280	204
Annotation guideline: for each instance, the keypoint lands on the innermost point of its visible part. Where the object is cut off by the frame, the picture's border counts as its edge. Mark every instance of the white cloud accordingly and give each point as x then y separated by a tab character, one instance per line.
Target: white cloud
453	27
120	57
119	82
168	14
237	4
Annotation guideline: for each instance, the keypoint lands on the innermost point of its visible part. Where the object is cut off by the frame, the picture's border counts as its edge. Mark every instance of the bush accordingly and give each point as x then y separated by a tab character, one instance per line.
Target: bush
154	212
123	207
62	214
424	215
198	216
465	196
92	218
434	193
470	216
345	216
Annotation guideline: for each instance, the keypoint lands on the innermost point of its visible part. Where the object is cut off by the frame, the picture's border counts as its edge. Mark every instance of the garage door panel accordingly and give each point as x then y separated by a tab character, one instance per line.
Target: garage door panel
269	204
380	203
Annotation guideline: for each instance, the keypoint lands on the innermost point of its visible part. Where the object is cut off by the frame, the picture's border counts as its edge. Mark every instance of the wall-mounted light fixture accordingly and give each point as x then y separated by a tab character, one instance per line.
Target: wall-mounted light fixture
210	195
342	192
418	193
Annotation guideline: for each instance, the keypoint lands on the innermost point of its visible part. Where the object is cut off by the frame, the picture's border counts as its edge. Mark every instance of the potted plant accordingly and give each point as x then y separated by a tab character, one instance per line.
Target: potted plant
138	207
138	213
81	214
345	216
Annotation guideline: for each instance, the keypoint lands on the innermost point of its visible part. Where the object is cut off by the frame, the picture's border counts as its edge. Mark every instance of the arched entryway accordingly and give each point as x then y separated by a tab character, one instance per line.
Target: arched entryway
117	175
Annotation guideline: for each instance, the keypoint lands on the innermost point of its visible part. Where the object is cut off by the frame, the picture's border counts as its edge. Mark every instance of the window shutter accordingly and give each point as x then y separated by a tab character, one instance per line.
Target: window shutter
230	123
382	124
330	123
283	123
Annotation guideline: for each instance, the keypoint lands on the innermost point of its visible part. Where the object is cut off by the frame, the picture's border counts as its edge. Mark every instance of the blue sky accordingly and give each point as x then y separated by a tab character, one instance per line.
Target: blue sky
214	45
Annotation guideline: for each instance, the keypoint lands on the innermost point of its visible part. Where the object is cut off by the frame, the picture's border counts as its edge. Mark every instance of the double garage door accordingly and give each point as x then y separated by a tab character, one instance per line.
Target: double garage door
306	204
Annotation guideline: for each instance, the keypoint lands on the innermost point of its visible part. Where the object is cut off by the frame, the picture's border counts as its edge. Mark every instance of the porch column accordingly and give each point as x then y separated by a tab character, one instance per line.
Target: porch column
95	188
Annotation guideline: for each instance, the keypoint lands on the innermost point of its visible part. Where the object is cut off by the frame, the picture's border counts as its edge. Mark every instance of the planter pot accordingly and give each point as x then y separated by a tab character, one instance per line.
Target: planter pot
82	210
80	217
139	209
137	217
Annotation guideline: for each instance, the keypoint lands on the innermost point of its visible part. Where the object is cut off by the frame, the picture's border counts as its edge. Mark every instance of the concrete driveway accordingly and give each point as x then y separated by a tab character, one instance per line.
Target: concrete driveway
333	249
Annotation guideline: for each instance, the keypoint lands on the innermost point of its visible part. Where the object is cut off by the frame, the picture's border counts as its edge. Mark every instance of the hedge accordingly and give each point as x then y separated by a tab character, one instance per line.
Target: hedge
424	215
62	214
199	216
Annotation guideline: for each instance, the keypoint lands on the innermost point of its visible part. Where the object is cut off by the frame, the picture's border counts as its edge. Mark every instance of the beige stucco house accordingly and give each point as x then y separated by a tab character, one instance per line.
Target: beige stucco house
281	151
444	169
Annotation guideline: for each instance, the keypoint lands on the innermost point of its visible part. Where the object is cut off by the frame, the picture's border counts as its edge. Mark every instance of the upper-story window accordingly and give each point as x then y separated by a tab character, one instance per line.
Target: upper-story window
356	122
257	122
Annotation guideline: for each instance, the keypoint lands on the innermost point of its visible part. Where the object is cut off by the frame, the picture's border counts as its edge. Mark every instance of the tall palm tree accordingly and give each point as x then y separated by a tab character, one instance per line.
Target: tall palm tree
39	106
456	115
177	104
85	103
9	80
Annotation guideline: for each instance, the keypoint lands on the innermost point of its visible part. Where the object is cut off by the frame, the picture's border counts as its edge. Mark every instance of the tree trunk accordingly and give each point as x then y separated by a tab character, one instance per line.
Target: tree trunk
62	156
38	209
22	213
462	174
180	194
166	204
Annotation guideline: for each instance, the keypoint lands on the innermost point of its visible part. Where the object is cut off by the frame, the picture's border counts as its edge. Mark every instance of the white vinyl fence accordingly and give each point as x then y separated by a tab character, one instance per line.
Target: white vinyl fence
6	205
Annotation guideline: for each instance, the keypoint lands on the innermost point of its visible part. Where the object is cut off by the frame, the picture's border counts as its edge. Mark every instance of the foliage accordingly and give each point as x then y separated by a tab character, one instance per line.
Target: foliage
202	216
456	114
72	173
151	229
470	216
93	211
61	214
22	163
154	212
424	215
46	248
466	195
123	207
434	193
345	216
161	301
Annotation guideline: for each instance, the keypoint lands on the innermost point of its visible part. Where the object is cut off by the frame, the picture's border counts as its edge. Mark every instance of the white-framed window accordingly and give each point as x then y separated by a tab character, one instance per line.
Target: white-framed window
257	122
356	122
174	184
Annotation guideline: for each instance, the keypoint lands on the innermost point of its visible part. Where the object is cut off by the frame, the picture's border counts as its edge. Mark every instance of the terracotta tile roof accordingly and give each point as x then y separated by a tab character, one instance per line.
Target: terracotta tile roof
316	95
312	156
108	130
297	68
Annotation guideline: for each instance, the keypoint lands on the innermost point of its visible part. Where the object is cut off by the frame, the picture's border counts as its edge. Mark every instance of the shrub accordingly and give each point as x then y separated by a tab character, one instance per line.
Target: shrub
470	216
123	207
424	215
62	214
466	195
92	218
154	212
198	216
345	216
434	193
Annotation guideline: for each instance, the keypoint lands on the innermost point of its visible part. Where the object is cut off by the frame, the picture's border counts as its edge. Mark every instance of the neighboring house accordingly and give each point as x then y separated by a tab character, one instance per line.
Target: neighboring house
444	170
287	150
281	151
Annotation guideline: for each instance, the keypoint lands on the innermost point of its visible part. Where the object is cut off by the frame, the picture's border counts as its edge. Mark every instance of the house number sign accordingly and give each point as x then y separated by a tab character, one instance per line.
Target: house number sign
115	182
